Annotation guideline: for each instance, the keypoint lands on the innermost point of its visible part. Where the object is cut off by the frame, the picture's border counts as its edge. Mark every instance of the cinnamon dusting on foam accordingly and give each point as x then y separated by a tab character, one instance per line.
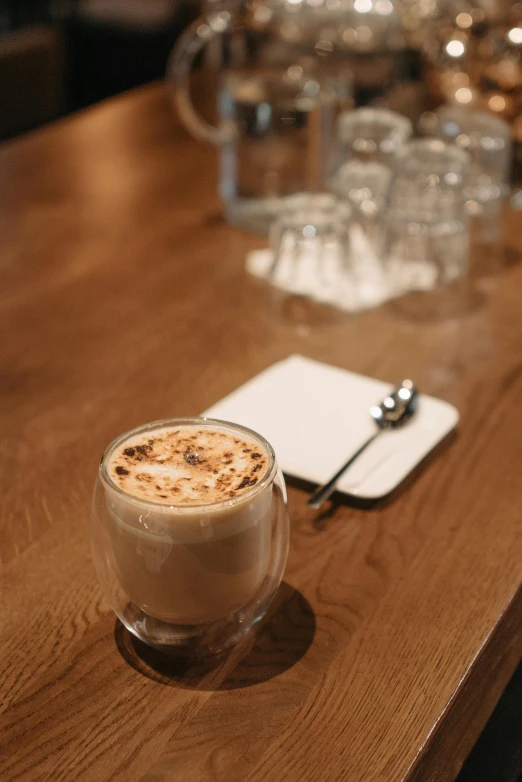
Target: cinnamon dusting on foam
188	465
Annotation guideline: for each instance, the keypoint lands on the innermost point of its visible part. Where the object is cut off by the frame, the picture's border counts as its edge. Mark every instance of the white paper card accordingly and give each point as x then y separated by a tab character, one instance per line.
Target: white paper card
315	416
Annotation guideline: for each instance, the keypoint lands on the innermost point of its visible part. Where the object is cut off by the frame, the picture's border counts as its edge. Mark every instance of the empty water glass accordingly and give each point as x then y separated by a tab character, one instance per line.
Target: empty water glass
489	142
362	166
367	140
428	221
310	244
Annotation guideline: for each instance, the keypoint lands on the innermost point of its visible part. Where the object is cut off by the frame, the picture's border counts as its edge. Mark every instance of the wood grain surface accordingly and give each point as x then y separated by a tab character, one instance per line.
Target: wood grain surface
124	300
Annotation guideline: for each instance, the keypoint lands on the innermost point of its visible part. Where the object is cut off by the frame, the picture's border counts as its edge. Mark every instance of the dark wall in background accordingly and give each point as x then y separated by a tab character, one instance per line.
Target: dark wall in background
55	59
104	60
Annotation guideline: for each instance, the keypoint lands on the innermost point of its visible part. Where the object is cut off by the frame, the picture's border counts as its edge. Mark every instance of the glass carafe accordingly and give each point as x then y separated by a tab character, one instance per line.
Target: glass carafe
279	94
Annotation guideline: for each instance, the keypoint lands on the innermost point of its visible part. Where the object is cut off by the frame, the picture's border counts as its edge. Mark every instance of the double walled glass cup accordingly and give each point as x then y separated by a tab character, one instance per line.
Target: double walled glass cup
190	579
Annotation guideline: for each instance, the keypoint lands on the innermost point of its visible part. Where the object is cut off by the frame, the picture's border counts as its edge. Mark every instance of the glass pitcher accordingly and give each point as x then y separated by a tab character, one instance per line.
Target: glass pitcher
280	92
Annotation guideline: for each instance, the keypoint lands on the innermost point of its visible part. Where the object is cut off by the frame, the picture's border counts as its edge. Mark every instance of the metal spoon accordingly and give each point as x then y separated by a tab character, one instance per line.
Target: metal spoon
394	411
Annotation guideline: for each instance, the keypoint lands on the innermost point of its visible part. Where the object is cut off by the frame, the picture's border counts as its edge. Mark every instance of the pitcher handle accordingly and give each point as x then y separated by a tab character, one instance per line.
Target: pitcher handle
179	67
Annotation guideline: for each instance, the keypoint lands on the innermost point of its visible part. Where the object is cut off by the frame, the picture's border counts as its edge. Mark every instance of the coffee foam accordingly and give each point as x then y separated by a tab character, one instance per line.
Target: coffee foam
187	465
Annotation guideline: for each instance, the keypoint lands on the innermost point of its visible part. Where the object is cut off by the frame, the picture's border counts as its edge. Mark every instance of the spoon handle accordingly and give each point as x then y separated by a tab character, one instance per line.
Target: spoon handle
323	492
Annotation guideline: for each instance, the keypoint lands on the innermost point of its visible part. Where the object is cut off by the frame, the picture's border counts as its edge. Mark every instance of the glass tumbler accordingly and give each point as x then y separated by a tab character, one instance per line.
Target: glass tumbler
362	167
311	258
488	140
428	221
189	579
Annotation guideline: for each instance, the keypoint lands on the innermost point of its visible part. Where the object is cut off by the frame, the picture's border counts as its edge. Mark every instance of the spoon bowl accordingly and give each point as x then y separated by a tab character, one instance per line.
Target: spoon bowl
394	411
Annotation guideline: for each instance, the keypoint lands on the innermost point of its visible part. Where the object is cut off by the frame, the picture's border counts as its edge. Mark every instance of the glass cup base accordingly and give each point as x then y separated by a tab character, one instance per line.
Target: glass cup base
199	640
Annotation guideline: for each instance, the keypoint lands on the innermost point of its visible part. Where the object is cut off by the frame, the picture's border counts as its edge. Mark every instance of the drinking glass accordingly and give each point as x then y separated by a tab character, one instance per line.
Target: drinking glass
310	243
362	166
428	221
190	579
488	140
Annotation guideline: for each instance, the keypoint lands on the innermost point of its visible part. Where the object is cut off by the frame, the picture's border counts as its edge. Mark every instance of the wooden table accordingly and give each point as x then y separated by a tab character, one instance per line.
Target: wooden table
124	299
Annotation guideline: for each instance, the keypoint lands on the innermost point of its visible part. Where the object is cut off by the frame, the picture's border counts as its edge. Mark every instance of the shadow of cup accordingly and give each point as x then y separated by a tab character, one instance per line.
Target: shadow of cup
274	646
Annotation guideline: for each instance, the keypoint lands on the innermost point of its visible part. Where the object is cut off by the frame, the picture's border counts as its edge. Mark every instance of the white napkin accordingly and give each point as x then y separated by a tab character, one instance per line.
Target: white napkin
315	416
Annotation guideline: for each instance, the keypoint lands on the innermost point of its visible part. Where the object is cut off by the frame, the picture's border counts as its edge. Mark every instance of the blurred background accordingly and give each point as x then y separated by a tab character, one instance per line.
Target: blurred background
57	56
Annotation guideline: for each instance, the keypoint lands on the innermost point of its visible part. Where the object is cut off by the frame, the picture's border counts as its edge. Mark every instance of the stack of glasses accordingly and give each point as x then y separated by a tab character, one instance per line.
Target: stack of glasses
400	211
